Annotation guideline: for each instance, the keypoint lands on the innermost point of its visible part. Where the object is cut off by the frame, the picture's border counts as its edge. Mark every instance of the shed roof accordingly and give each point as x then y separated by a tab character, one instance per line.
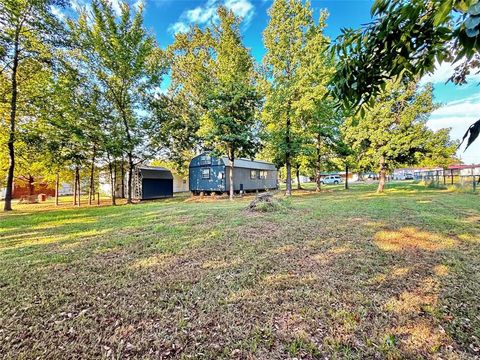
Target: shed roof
151	172
463	166
249	164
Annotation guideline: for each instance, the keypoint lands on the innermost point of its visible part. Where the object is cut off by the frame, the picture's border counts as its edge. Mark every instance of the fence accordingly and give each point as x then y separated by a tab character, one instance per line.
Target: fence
464	182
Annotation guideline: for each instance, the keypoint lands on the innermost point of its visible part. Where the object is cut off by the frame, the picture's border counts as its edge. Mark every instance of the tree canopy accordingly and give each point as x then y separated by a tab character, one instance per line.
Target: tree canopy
85	95
406	39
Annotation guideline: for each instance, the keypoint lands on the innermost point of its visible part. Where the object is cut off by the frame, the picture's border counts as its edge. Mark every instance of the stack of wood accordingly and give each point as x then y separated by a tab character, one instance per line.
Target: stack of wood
263	198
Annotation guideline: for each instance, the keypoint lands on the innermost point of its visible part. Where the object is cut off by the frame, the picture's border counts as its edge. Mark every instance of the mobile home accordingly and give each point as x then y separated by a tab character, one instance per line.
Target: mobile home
208	173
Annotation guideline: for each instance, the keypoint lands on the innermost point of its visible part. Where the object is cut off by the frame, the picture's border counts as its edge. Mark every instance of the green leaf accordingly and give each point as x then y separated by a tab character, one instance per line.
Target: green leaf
472	22
474	9
443	12
472	32
474	131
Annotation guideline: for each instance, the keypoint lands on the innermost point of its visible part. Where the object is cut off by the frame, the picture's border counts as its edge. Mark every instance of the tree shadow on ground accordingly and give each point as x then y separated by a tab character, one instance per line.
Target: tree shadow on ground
216	283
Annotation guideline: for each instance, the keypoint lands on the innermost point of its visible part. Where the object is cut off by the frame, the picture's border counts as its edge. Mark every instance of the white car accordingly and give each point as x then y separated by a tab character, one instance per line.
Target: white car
331	179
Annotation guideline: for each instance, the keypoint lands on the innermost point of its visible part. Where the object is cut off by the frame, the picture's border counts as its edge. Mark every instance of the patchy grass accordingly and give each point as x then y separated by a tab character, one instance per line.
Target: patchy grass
339	274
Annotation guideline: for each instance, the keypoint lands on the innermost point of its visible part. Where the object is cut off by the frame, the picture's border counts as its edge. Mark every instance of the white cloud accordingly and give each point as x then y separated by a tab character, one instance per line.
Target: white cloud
57	12
459	115
79	5
203	14
242	8
178	27
137	4
444	71
464	109
116	7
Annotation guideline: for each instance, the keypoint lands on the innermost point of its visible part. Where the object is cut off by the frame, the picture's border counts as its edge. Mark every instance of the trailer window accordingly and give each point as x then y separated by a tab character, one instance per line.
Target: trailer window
205	160
263	174
253	174
205	173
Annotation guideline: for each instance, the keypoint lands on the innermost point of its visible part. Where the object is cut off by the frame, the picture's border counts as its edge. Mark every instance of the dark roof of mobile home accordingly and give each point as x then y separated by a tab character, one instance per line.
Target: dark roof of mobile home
249	164
152	172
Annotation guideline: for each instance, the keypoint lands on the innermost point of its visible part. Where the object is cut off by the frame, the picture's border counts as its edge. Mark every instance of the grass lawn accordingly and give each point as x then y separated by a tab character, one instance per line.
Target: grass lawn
341	274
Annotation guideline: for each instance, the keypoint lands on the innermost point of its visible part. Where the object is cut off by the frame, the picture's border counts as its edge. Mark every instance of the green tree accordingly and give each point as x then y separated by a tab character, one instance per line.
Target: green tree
127	65
229	124
29	35
176	125
406	39
285	38
177	113
318	117
78	119
394	131
324	131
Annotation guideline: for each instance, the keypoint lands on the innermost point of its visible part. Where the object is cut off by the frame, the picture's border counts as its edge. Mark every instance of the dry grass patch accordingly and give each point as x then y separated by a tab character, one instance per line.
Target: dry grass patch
411	238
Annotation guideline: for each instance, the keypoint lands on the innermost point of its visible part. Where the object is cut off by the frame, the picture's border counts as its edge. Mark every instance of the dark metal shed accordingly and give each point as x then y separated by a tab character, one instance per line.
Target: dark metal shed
152	183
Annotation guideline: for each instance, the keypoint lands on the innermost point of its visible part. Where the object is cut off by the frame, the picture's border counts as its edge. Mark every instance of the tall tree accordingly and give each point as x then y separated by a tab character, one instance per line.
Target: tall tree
285	38
127	65
319	118
229	124
29	31
177	113
323	129
78	117
394	131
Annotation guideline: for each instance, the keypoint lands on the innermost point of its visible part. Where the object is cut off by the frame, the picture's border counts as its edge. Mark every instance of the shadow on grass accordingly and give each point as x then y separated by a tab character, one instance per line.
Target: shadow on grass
341	275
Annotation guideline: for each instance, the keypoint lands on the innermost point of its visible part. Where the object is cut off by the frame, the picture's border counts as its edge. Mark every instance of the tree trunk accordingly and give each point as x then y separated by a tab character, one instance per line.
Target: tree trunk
130	178
346	176
288	191
57	181
75	187
288	166
91	190
232	190
30	185
130	157
231	157
112	181
299	186
115	173
318	163
383	175
11	136
79	190
122	173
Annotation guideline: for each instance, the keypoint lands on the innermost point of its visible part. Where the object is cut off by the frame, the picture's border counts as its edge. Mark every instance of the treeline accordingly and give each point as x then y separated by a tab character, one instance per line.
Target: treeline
84	94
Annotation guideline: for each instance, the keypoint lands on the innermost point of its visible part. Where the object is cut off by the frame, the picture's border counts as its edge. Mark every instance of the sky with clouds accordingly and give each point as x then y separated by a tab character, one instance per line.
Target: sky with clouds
460	104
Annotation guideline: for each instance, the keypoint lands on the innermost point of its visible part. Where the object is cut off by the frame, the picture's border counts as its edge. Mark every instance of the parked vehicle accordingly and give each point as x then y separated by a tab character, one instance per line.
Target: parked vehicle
408	176
331	179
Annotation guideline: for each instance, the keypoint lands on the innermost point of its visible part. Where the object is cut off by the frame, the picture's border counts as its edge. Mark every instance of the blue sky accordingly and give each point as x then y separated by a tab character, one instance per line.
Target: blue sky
461	104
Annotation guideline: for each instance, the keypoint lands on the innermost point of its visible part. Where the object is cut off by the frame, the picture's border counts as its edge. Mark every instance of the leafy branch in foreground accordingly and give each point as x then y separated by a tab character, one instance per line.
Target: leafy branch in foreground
406	39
